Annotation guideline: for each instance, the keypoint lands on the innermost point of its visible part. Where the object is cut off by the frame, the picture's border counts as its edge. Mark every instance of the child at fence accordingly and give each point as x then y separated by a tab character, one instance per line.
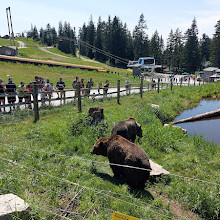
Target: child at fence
82	86
42	94
74	84
48	89
105	90
127	86
99	87
2	93
21	92
28	92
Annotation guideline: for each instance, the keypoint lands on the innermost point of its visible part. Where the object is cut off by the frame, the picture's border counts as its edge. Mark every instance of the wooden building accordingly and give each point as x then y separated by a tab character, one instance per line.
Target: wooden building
9	50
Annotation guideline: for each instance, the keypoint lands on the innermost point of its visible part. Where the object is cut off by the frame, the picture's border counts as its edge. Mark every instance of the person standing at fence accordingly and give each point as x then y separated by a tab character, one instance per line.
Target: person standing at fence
127	86
89	84
2	94
106	86
48	89
82	86
11	91
28	92
99	87
21	92
60	86
74	84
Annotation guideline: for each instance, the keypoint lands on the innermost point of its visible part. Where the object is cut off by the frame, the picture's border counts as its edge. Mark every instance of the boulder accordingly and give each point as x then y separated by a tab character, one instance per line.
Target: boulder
11	204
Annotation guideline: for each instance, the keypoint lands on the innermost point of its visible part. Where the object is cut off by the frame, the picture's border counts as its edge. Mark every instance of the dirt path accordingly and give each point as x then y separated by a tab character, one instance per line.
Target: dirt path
177	209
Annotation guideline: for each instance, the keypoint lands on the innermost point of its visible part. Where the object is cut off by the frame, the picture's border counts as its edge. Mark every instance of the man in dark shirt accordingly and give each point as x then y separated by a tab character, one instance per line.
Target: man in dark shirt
11	91
60	86
89	84
2	93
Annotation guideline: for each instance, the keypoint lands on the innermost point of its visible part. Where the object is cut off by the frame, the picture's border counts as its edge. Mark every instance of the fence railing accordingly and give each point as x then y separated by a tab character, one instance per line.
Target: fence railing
36	99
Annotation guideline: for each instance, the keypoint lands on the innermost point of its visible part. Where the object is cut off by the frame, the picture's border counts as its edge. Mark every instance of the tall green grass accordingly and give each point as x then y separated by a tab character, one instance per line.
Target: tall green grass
65	131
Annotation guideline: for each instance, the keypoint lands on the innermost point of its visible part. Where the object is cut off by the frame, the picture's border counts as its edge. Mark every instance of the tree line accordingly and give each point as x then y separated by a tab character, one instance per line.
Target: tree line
182	51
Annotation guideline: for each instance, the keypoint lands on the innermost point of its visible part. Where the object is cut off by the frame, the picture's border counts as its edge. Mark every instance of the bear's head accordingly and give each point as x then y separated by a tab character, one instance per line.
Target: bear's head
139	130
100	147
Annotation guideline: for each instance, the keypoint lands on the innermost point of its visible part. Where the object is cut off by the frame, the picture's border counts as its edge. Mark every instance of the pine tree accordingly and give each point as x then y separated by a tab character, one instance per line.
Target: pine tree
191	49
90	38
215	53
205	49
99	40
156	44
140	39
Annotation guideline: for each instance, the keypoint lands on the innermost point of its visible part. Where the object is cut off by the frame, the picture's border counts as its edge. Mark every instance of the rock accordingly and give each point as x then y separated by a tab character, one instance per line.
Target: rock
155	106
177	127
157	170
12	204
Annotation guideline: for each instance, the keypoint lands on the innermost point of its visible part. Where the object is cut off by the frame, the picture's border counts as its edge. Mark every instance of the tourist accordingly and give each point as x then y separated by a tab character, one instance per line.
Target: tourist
2	93
89	84
21	92
82	86
127	86
11	91
74	84
60	87
106	86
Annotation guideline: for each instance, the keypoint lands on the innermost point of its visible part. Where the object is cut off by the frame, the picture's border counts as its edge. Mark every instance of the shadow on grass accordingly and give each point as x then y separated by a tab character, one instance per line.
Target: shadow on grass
137	192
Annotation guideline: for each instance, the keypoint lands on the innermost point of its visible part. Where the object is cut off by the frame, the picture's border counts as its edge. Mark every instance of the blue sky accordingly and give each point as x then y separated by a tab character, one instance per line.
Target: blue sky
161	15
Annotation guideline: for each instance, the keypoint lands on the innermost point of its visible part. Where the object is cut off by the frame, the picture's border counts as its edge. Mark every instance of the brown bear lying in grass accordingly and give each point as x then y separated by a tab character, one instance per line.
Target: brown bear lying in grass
121	151
128	129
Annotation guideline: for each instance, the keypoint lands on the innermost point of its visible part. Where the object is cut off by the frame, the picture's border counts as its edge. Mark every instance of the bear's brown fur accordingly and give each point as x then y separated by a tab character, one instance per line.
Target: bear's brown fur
128	129
121	151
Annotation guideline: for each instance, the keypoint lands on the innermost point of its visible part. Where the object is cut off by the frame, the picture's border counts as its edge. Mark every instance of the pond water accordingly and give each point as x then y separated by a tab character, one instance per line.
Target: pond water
209	129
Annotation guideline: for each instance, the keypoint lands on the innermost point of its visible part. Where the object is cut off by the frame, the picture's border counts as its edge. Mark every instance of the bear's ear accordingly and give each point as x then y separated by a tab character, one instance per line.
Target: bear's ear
101	143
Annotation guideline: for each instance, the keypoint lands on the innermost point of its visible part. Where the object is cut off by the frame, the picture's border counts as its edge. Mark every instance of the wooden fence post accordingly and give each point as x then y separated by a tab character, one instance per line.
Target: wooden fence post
35	101
64	97
141	87
79	97
118	92
171	84
158	85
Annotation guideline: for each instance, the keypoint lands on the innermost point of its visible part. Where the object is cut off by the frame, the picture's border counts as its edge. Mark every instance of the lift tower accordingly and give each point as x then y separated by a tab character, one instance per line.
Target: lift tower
10	27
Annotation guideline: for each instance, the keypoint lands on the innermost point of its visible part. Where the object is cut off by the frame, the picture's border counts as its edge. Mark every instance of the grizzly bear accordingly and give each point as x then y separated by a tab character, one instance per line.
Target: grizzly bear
128	129
121	151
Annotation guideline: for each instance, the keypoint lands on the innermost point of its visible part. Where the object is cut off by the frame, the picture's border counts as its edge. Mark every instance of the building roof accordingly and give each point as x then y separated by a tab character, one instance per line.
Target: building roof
216	75
211	69
11	47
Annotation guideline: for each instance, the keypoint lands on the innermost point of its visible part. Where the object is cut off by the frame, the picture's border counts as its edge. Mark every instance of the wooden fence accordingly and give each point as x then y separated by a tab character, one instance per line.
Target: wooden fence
83	93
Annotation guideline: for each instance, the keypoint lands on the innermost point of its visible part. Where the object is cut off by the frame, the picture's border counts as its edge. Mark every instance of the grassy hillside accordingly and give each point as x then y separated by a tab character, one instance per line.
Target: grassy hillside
54	164
6	42
26	73
33	51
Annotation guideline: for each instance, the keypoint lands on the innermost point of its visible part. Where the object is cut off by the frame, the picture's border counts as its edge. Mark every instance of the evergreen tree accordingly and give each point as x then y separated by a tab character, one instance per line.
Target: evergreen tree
83	38
191	50
140	39
215	47
156	50
90	37
99	40
205	49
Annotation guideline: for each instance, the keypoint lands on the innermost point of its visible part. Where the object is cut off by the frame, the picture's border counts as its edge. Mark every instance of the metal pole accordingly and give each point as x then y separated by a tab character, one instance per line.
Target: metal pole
118	92
8	25
79	97
158	87
35	100
12	33
141	87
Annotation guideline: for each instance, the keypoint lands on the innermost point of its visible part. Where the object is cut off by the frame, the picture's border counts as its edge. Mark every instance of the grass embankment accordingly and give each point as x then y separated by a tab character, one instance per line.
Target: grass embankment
6	42
26	73
64	131
33	51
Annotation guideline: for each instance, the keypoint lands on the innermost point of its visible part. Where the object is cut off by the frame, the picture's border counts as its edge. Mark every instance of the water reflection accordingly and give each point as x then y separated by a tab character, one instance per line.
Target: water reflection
209	129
